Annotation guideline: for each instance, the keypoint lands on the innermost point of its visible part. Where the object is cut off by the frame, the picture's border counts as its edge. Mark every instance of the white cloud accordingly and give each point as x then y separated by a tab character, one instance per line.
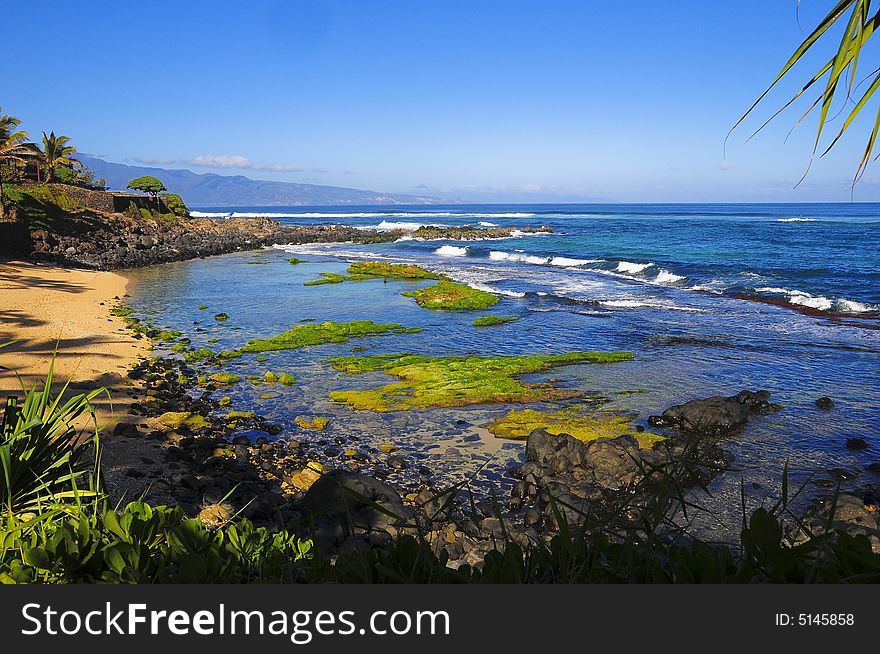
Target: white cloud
151	161
239	161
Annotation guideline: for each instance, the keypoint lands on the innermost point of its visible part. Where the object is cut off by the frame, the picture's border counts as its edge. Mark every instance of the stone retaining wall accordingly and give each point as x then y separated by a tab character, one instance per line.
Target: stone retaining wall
107	201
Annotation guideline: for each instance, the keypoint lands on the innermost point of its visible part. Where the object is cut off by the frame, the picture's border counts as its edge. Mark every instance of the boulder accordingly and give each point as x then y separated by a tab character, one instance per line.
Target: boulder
343	504
715	416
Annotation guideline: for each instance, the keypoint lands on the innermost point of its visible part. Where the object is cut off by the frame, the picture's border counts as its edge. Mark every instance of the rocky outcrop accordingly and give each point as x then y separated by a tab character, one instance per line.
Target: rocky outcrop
585	480
855	514
716	416
114	241
349	509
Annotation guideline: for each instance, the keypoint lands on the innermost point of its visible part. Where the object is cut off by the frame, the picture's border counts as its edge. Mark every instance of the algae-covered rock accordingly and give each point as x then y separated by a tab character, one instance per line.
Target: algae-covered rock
364	270
447	295
179	419
287	379
225	378
427	382
225	401
315	424
489	321
584	426
320	333
240	415
222	317
194	356
381	269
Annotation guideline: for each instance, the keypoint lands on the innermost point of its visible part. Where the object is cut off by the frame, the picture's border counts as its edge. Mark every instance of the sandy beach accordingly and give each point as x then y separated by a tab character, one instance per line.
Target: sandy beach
47	307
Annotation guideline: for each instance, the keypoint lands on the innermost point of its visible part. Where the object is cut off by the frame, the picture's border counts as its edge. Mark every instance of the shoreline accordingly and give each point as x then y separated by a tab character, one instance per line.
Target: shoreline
199	467
65	312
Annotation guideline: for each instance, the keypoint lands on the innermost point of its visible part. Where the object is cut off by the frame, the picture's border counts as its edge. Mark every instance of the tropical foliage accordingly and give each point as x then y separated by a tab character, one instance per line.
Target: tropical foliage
12	145
837	78
57	152
148	184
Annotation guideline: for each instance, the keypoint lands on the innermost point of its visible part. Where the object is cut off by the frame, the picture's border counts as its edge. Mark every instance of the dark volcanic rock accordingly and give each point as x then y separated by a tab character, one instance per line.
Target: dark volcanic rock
853	513
344	504
113	241
715	416
856	444
825	402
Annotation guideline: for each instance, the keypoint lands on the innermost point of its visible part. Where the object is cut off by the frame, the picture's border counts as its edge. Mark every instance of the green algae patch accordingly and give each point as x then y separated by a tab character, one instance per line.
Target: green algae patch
287	379
225	401
221	317
320	333
381	269
202	307
270	377
261	359
584	426
363	270
432	382
179	348
293	261
446	295
315	424
225	378
194	356
488	321
168	336
327	278
240	415
179	419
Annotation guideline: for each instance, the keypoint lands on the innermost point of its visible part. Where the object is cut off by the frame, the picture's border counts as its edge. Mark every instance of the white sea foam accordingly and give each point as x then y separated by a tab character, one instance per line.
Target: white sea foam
666	277
647	304
565	262
497	291
851	306
716	286
451	251
812	301
796	220
519	255
775	289
517	233
389	225
632	268
484	223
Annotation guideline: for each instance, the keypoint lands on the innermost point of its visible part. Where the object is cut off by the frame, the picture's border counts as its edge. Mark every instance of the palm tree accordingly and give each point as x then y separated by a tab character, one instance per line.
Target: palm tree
11	147
56	152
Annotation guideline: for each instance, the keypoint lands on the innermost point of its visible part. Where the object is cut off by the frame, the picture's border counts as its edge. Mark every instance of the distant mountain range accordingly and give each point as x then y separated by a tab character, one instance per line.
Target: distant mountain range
203	190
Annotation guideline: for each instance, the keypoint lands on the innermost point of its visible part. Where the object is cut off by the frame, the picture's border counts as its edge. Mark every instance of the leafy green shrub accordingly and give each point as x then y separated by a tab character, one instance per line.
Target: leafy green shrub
175	204
142	544
65	175
41	454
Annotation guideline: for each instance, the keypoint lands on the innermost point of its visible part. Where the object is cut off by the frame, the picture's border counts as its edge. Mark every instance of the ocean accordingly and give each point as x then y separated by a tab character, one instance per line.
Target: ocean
711	299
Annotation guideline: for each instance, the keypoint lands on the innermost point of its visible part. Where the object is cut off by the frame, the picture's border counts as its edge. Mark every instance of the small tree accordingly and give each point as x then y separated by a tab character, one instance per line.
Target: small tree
57	152
11	146
148	184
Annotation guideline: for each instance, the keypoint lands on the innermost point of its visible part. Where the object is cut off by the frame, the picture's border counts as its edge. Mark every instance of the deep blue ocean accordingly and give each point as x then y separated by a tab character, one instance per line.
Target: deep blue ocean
710	298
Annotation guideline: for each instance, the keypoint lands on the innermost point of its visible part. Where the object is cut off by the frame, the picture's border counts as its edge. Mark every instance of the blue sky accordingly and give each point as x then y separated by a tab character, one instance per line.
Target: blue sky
491	101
